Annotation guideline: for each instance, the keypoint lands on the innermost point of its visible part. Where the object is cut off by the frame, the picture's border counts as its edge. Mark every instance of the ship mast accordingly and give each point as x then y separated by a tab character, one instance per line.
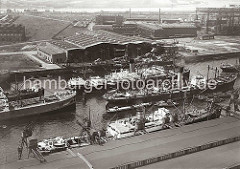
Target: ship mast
89	118
208	73
215	74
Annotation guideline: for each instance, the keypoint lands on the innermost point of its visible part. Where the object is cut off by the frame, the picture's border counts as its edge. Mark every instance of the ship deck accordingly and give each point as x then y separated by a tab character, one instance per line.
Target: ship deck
139	148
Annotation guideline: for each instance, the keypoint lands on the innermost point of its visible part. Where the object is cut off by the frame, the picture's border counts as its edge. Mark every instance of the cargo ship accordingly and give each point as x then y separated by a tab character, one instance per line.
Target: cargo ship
159	120
124	78
24	94
37	105
220	83
129	127
163	91
134	97
121	62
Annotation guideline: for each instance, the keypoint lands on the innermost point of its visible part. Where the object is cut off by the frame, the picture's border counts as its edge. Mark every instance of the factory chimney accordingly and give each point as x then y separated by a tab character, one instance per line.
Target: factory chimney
131	65
159	16
0	6
130	13
140	124
180	77
67	58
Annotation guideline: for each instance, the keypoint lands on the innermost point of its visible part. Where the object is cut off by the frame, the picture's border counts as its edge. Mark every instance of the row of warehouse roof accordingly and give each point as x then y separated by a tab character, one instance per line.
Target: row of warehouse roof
87	39
162	25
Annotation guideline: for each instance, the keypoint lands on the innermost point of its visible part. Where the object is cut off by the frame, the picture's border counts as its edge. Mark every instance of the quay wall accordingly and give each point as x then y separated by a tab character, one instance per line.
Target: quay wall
217	56
180	153
80	69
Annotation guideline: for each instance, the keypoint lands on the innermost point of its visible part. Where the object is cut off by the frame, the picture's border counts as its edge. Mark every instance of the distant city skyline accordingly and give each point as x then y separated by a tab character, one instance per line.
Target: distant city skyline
178	4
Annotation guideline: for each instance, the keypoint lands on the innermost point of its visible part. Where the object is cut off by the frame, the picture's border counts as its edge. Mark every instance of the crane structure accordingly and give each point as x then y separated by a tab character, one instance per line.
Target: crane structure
30	144
225	20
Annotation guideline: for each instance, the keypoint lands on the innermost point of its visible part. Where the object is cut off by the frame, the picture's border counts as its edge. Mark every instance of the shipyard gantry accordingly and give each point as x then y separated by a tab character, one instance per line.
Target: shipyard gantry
220	18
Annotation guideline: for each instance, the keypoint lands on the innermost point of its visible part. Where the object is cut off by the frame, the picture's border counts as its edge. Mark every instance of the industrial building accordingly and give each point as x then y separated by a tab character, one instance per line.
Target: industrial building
109	19
159	31
213	22
51	53
89	46
143	20
155	30
12	33
127	28
170	21
224	21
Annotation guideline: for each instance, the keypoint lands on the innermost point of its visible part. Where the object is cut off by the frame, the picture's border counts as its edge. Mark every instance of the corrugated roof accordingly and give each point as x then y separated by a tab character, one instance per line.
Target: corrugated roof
51	50
87	39
64	45
178	25
154	26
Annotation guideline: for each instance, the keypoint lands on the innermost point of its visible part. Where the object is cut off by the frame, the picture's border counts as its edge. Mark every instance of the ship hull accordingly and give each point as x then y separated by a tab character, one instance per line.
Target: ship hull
223	87
206	117
209	116
23	95
126	84
230	69
55	106
151	98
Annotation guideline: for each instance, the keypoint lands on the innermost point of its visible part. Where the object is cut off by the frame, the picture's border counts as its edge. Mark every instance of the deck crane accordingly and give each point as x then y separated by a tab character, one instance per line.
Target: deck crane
30	144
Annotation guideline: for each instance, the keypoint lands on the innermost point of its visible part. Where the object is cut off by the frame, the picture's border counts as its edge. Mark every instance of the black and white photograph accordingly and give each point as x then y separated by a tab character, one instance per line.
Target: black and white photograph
119	84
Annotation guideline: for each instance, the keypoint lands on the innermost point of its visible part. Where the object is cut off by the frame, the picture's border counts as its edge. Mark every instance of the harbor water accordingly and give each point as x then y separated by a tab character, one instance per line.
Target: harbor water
65	123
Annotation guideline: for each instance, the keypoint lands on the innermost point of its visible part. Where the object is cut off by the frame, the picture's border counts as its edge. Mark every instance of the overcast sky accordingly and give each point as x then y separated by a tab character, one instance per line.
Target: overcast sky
116	3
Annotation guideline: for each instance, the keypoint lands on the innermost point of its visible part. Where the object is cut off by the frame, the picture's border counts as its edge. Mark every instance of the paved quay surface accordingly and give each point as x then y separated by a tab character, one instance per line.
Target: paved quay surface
219	157
221	47
32	56
124	151
220	44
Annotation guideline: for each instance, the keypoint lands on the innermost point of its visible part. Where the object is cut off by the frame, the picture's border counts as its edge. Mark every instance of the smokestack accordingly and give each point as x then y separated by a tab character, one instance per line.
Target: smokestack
67	57
180	77
132	66
140	119
130	13
159	16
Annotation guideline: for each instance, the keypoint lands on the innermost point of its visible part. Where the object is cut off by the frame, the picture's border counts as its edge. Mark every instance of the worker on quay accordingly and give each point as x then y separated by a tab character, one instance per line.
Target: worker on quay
233	100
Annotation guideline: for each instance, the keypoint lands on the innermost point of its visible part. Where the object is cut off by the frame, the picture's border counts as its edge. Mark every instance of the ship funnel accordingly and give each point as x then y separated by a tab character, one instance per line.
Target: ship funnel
180	77
140	125
131	66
